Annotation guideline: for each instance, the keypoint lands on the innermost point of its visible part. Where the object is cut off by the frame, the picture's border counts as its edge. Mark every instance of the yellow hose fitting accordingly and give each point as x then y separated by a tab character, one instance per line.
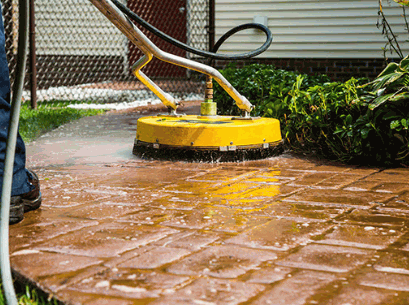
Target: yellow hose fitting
208	107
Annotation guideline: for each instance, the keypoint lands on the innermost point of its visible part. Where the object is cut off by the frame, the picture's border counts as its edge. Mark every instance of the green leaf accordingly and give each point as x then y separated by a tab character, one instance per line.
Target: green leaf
389	69
402	2
395	124
394	77
404	63
364	133
349	119
380	100
387	79
400	96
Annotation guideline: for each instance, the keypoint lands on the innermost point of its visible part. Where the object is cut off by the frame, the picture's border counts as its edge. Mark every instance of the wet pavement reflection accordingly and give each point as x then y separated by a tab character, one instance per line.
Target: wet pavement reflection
114	229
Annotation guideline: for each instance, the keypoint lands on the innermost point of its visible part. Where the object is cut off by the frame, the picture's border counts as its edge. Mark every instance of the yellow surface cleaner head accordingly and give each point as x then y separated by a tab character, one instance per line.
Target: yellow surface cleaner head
216	138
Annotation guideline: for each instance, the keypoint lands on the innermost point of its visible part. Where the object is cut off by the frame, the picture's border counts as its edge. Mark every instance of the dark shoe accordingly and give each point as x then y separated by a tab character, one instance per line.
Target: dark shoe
16	210
25	202
32	200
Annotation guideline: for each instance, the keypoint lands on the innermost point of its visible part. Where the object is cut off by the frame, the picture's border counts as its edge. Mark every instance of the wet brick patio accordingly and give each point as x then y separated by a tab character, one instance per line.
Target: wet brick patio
114	229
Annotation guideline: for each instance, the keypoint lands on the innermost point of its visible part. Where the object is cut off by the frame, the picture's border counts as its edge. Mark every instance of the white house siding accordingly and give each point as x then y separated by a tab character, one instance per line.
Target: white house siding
310	28
75	27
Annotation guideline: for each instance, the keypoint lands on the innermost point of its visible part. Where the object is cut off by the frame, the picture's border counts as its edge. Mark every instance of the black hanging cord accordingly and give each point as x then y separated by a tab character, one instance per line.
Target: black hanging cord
212	55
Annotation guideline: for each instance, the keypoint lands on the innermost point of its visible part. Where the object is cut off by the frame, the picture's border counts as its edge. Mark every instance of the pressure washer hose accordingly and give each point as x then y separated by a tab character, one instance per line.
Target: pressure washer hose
7	280
212	54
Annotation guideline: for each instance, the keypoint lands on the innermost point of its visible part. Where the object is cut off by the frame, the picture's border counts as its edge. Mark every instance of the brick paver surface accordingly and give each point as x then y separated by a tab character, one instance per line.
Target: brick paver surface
114	229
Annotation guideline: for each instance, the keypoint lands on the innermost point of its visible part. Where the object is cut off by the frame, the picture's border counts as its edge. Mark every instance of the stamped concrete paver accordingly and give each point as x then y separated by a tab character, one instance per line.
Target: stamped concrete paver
360	295
385	280
327	258
366	237
222	262
212	291
269	274
115	229
296	289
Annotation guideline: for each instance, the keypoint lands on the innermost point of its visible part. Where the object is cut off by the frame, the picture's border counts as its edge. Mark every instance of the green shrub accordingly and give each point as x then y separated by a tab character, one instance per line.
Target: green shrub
320	119
349	121
263	85
388	102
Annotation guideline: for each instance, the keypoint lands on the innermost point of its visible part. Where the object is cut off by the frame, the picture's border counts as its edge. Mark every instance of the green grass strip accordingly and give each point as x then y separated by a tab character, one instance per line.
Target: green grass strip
48	116
29	297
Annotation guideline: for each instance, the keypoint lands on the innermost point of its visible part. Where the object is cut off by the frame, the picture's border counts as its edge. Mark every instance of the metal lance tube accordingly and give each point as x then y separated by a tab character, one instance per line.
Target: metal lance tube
150	50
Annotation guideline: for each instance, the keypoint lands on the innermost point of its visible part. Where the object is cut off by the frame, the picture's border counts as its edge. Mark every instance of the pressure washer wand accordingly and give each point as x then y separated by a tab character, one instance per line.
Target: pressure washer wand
118	18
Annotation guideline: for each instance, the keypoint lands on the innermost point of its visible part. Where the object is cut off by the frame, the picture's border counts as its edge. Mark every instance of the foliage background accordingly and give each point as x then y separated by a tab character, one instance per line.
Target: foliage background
354	122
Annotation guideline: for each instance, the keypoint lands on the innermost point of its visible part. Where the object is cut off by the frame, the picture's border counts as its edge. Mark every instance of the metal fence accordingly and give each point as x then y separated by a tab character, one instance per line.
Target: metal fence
79	55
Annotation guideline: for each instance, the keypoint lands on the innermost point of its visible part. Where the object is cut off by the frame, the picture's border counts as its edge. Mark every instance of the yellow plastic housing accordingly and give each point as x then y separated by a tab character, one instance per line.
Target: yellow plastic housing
215	133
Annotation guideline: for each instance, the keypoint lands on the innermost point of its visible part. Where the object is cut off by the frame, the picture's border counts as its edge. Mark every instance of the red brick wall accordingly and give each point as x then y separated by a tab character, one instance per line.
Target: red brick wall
338	69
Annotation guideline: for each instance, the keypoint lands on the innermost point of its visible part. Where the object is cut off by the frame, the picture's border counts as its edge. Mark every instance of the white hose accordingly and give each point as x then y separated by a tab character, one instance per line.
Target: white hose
5	269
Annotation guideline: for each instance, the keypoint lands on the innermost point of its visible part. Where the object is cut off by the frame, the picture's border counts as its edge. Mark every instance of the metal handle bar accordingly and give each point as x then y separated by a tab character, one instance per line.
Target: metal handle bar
151	50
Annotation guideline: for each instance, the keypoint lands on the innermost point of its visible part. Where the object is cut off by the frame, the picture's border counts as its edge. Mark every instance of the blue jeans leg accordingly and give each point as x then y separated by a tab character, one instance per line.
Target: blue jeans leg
20	175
